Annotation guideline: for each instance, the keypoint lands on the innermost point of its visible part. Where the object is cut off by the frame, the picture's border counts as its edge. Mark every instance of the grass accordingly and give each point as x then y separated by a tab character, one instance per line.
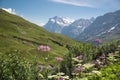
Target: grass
17	33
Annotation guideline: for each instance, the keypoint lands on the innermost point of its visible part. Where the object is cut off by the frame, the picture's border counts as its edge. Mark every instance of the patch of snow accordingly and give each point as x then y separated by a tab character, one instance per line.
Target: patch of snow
101	33
112	28
67	20
58	22
63	21
52	20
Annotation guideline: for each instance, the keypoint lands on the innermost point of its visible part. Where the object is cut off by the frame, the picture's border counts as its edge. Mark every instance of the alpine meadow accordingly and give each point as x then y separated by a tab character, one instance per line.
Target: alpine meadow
83	46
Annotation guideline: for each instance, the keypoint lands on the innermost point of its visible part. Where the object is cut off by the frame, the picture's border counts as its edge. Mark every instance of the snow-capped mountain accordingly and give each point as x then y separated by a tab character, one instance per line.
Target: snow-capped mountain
78	26
106	27
66	26
56	24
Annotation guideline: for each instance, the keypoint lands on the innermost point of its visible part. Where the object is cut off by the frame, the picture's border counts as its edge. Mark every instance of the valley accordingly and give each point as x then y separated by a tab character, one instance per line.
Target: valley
29	52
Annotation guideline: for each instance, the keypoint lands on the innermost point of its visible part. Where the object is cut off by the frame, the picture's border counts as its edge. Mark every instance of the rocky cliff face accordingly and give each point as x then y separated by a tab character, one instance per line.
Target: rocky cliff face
106	27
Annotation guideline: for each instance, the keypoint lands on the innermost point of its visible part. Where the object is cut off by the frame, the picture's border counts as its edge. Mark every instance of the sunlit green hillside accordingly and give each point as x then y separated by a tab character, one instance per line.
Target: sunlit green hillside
19	34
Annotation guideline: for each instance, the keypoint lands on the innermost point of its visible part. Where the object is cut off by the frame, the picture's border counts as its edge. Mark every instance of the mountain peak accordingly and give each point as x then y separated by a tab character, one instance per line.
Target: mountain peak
63	21
56	24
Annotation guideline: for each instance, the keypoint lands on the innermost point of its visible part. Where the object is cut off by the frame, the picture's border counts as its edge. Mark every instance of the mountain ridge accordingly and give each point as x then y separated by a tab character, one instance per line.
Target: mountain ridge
105	27
71	28
77	27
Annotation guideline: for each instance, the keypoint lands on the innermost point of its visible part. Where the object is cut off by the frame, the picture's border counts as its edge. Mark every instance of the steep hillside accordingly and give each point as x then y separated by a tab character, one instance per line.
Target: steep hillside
74	60
106	27
19	34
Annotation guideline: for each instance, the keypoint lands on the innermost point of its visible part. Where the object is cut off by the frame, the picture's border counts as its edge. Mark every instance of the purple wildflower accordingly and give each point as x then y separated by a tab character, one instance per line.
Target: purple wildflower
98	41
78	69
44	48
40	47
60	79
102	57
96	62
80	57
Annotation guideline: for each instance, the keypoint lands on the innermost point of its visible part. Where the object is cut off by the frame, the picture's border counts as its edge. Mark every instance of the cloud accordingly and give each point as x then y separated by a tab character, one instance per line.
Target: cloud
21	15
41	24
91	3
10	10
74	2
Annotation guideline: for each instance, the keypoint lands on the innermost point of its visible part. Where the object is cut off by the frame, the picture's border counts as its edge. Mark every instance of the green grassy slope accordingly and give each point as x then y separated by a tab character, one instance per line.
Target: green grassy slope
19	34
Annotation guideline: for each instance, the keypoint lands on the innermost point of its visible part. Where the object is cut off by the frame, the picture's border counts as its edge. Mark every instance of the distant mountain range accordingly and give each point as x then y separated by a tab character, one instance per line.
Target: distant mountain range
77	27
66	26
106	27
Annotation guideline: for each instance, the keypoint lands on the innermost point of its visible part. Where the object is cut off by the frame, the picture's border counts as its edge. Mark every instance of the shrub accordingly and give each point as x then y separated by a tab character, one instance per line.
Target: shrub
14	67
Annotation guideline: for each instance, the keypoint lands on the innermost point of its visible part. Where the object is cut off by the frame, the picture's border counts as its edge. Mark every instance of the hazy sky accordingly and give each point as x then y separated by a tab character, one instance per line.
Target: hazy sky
39	11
